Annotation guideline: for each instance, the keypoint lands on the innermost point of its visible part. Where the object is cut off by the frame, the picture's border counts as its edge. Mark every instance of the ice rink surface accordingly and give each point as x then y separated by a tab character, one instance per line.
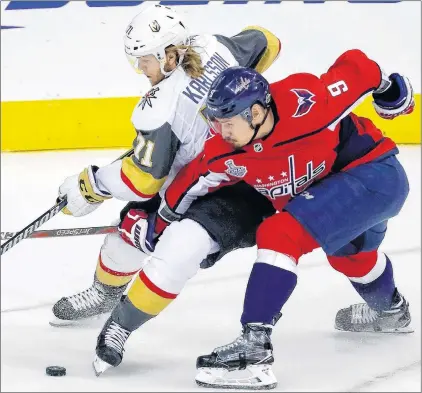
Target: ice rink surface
310	355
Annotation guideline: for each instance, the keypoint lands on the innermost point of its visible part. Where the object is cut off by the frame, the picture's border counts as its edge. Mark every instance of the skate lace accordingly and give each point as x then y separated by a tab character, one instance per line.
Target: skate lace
116	336
91	297
362	313
233	344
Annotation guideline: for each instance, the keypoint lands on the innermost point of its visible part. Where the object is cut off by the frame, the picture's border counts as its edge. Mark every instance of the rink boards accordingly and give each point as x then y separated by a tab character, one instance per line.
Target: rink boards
66	82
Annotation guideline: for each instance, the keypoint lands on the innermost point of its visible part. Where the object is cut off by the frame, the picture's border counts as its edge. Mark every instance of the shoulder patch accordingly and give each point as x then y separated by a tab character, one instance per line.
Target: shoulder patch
157	106
148	98
304	101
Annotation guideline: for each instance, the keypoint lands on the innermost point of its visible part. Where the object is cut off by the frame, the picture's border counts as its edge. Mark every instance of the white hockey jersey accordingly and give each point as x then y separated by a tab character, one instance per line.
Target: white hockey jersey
171	129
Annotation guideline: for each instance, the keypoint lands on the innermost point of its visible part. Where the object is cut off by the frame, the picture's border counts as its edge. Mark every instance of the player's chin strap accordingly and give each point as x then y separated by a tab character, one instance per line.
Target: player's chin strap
258	126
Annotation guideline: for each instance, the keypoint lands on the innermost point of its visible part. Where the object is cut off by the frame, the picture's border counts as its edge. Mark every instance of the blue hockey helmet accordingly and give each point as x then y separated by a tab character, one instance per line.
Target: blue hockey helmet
234	92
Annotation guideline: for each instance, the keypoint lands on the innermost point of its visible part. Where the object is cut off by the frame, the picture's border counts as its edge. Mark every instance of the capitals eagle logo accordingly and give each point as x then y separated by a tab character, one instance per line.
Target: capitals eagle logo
304	101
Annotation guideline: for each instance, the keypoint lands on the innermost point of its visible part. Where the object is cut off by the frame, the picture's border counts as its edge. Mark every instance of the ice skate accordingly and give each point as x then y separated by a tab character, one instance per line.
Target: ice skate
110	345
86	305
361	318
243	364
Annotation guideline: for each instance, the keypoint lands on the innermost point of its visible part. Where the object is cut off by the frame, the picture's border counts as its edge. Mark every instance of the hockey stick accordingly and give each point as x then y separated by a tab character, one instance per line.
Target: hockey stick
25	232
64	232
50	213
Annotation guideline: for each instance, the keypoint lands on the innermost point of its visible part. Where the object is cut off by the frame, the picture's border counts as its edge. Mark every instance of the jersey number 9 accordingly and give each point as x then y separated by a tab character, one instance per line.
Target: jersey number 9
337	88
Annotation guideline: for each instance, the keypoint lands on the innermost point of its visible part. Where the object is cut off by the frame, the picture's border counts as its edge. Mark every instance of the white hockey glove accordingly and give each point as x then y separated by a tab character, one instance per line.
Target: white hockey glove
138	229
394	97
82	192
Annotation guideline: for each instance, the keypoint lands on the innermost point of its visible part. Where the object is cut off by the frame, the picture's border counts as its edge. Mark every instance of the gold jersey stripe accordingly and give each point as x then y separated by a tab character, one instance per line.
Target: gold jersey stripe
140	182
272	51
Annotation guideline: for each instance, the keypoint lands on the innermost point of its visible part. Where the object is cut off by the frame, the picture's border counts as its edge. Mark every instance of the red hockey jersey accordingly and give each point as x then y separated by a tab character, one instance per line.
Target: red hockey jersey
315	134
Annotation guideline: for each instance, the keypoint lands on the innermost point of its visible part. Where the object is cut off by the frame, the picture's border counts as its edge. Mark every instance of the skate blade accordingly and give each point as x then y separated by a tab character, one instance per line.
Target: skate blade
63	322
261	377
100	366
57	322
401	330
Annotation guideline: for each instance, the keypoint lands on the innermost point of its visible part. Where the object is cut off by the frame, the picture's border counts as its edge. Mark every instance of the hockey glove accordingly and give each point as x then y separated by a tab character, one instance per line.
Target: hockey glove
82	192
394	98
138	229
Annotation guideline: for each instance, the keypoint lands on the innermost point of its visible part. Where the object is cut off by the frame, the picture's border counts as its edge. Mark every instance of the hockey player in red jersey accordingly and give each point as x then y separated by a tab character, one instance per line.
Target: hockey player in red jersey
334	180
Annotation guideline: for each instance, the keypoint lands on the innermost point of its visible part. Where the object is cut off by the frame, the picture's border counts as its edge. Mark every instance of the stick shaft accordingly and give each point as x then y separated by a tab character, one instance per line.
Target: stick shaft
64	232
25	232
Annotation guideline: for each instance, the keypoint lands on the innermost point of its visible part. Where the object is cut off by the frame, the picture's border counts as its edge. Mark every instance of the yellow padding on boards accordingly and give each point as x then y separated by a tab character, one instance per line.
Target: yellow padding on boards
105	123
67	124
402	129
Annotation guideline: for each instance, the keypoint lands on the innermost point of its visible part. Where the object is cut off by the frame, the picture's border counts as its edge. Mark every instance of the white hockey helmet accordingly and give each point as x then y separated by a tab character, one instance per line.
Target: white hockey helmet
151	32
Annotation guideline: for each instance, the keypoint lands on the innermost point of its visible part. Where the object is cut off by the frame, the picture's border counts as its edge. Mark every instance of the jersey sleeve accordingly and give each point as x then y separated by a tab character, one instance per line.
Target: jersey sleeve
140	176
308	103
254	47
201	176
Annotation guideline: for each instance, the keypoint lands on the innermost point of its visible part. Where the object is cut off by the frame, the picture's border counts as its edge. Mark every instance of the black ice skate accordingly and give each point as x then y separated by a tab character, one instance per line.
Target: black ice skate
361	318
251	354
92	302
110	345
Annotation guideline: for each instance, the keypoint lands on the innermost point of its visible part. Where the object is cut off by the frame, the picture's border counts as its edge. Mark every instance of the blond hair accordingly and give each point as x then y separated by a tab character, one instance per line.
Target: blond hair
191	62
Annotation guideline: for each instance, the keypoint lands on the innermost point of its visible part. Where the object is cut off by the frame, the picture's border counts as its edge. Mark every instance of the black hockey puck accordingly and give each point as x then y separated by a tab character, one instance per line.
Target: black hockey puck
55	371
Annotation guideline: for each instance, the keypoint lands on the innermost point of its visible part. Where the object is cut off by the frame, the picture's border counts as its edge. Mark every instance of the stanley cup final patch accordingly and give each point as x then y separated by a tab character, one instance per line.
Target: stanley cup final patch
234	170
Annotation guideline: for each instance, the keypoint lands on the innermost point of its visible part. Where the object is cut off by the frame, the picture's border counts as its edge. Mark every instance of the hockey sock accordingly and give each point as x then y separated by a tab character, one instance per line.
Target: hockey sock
281	241
371	274
144	301
378	294
111	277
269	287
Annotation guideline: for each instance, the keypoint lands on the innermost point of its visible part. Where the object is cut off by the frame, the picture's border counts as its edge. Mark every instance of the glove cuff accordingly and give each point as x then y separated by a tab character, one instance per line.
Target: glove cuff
88	186
385	83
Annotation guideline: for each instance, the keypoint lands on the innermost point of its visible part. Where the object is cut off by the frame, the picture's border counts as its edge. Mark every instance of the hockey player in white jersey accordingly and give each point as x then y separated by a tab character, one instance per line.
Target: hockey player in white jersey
171	131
